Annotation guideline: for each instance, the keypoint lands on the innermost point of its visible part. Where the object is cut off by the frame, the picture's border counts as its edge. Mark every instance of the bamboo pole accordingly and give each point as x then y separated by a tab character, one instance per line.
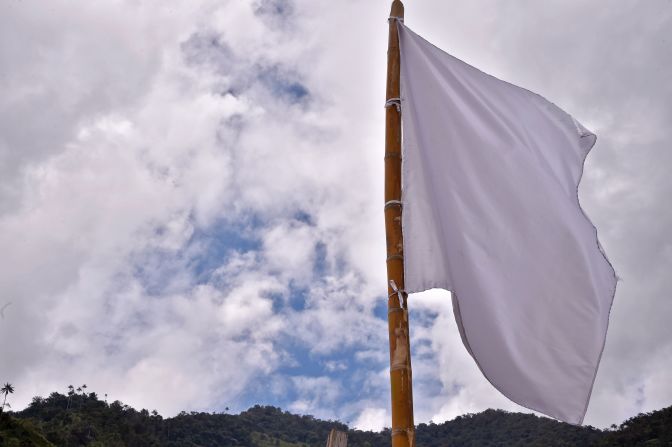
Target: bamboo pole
403	429
337	439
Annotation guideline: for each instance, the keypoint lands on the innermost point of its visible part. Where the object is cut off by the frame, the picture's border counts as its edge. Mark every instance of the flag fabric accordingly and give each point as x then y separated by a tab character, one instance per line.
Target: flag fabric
490	179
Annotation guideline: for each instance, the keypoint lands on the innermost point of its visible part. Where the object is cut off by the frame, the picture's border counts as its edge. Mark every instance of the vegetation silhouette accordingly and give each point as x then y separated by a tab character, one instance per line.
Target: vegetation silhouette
7	389
82	419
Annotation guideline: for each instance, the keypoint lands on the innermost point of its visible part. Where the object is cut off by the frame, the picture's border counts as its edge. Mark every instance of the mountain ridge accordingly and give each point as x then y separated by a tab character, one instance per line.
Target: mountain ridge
85	420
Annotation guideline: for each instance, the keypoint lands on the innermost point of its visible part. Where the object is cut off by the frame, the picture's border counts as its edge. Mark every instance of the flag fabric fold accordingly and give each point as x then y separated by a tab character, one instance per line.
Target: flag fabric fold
490	177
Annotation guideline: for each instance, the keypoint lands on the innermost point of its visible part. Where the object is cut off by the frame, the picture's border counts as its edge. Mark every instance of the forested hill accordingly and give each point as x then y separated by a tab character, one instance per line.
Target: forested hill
84	420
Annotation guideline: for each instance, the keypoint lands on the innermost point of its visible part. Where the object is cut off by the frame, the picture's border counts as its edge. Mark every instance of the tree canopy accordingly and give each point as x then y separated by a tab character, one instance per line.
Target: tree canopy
82	419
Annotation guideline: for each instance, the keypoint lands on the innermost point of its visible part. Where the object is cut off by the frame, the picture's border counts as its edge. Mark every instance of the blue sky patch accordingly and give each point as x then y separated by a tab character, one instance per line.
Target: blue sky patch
284	85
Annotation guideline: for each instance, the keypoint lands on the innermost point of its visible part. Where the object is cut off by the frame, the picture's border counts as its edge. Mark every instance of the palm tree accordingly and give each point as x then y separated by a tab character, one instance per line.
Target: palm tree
82	389
71	392
7	389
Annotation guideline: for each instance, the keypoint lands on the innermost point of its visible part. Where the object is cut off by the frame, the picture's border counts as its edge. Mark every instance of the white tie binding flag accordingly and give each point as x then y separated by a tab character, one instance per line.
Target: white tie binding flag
491	213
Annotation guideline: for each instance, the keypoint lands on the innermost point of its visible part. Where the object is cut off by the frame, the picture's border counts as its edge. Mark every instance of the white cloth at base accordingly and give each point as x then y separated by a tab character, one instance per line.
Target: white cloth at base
491	213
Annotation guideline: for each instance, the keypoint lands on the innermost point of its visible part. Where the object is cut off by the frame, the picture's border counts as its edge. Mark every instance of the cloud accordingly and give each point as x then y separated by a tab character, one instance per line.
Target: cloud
372	419
192	199
314	392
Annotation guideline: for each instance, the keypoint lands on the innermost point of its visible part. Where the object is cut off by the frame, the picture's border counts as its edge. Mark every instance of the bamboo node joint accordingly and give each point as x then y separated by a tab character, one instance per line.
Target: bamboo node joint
399	367
391	203
401	431
396	102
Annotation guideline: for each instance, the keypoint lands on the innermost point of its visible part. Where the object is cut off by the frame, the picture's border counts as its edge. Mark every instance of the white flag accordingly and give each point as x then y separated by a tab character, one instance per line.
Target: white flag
491	212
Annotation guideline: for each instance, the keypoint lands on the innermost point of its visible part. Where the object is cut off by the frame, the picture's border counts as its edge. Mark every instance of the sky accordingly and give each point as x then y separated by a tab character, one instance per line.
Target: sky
191	198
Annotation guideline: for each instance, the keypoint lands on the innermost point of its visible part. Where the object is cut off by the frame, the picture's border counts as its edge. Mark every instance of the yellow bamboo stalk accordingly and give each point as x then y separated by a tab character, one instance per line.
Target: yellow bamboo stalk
337	439
403	429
